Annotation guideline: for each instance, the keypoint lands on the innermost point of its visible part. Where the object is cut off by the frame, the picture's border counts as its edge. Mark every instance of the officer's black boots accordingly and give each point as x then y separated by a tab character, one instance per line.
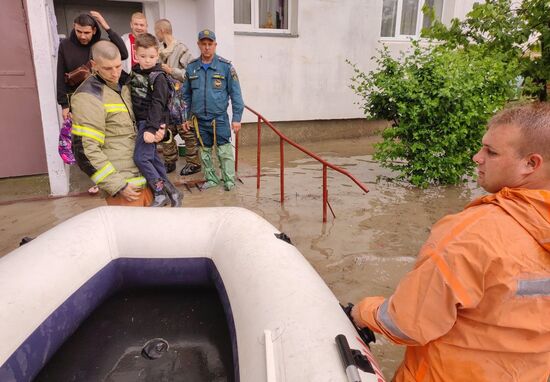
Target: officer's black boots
190	169
170	167
175	195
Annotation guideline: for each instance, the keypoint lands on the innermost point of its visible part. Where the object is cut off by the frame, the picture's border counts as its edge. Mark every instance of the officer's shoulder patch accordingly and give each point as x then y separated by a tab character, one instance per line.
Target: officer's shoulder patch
225	60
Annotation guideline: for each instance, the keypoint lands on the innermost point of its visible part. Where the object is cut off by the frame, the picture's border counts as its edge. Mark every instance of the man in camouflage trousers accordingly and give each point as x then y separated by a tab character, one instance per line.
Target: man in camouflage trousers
174	57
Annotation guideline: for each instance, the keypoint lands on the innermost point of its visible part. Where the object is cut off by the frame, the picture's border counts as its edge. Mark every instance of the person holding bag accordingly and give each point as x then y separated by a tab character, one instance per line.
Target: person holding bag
73	58
74	65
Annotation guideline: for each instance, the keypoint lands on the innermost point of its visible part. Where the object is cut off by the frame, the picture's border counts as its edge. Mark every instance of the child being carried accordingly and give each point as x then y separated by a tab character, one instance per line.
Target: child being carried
150	103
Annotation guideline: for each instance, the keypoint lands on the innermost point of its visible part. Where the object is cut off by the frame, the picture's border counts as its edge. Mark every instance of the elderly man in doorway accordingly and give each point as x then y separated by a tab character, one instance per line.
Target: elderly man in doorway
104	130
476	306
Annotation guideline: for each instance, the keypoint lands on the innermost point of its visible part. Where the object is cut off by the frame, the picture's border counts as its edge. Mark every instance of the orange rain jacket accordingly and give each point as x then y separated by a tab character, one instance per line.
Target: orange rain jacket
476	306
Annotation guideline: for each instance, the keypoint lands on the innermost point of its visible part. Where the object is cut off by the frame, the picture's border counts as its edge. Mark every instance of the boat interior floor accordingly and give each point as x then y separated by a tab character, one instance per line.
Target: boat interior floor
152	334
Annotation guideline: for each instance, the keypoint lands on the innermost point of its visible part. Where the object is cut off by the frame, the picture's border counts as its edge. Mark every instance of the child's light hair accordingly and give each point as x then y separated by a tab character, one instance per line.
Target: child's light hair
138	15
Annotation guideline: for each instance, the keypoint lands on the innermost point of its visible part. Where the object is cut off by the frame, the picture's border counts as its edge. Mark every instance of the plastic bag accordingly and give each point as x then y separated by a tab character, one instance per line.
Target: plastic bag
65	142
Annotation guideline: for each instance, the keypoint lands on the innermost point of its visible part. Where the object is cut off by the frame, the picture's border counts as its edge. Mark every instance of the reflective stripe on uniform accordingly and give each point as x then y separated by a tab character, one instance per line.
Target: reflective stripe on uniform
538	287
104	172
138	181
114	107
384	317
85	131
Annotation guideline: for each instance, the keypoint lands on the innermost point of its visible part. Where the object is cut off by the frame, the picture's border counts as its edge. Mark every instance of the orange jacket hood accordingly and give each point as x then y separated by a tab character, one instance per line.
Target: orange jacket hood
530	208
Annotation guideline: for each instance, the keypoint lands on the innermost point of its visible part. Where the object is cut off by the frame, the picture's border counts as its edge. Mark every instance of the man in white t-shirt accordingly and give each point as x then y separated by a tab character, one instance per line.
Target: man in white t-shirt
138	25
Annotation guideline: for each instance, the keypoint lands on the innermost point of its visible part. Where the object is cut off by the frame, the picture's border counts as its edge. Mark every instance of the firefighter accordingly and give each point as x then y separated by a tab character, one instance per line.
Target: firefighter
104	131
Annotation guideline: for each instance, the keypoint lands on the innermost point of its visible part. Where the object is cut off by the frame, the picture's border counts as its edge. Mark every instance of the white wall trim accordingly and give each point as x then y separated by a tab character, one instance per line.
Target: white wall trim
45	69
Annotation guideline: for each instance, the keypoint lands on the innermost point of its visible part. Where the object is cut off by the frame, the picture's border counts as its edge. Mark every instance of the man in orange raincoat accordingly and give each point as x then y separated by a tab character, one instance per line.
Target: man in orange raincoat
476	306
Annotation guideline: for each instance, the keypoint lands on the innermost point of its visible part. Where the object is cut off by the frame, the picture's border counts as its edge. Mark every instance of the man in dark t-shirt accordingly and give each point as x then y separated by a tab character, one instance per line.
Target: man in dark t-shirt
74	51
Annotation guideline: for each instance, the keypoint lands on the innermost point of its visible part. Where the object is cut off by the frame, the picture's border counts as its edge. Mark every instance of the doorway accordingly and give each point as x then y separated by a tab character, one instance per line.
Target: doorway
117	13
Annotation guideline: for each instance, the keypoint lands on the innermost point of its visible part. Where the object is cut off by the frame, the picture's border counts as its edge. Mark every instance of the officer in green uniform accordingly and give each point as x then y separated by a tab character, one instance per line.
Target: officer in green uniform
209	82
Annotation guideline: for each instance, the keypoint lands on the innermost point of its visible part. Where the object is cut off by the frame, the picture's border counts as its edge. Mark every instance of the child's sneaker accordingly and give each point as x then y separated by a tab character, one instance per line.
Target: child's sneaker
161	198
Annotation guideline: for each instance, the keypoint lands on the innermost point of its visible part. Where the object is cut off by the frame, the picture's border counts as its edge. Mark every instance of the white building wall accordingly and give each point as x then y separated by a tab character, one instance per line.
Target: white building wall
205	19
188	17
307	77
223	26
299	77
185	17
462	7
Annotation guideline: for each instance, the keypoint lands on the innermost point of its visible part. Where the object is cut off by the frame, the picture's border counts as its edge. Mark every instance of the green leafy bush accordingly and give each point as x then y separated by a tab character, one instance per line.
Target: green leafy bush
519	30
439	101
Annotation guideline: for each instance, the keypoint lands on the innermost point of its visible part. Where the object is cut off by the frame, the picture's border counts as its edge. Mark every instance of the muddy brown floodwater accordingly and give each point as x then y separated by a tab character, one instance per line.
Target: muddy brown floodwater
365	250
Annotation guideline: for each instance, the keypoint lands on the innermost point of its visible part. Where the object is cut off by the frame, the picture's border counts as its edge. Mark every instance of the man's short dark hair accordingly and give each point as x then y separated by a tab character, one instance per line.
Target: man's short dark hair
146	40
85	20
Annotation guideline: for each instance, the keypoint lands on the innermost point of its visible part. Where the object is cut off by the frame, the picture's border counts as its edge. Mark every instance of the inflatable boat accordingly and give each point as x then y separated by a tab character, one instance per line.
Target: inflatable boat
143	294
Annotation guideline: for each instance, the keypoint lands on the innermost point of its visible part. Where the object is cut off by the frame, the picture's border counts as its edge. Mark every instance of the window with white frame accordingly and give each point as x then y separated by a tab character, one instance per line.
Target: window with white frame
404	18
262	15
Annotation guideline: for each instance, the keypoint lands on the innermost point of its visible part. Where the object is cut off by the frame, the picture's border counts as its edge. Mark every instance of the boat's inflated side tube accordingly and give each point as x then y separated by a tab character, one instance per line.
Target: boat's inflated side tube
265	281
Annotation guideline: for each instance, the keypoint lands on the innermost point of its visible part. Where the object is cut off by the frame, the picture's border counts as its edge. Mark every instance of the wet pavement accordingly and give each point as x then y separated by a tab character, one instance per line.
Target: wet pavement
365	250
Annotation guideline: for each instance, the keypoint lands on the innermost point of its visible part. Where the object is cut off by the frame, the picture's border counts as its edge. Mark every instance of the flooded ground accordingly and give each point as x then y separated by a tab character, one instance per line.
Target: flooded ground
365	250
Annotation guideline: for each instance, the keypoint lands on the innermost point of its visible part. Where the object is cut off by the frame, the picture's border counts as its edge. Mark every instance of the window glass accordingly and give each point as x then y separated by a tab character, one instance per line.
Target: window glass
389	16
242	12
409	15
437	6
273	14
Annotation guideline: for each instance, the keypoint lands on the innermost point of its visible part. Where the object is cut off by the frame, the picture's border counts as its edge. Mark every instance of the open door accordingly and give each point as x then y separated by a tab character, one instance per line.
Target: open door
22	149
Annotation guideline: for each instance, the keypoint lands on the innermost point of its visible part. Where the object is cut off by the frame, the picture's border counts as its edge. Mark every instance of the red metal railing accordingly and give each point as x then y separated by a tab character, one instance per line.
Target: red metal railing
282	139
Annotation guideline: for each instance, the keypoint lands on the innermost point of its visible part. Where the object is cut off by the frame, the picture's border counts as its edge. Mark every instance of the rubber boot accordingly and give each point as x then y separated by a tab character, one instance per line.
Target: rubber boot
160	196
227	165
212	179
175	195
